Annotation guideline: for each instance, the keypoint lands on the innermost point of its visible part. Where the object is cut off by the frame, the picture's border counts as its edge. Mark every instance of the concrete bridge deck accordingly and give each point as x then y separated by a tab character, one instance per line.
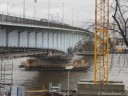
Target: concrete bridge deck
26	22
26	34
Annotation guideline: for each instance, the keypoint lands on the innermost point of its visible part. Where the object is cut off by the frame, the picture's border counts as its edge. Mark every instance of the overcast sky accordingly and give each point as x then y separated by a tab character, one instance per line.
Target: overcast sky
85	9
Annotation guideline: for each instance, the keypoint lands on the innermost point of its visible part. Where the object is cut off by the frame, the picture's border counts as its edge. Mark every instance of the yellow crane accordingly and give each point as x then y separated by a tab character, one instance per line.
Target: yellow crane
101	85
101	41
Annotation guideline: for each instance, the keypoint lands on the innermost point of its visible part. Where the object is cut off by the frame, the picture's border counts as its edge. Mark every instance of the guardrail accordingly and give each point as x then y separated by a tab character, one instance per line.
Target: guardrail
30	21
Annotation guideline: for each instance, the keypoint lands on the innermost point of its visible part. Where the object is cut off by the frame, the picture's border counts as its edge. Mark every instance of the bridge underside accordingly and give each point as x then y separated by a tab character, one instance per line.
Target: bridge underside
14	36
11	36
16	52
26	35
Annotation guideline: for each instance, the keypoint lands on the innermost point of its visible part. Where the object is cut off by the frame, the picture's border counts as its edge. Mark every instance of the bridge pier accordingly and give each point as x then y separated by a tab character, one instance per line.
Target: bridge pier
7	37
28	39
36	39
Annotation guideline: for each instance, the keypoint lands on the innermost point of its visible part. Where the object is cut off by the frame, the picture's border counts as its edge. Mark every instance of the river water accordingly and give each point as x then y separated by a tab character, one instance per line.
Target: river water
118	71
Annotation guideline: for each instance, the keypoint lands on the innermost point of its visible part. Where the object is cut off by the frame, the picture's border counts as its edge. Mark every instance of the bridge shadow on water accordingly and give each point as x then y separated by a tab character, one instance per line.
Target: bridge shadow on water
40	78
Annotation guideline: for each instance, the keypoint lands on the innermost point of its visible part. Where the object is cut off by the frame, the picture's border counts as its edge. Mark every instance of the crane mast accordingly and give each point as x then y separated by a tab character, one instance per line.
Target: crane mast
100	86
101	41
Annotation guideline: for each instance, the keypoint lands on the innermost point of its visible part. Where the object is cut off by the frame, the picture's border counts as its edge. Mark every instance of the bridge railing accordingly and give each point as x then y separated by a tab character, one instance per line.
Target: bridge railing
12	18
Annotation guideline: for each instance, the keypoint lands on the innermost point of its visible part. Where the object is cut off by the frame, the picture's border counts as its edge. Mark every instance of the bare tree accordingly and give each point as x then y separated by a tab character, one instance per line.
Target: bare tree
120	17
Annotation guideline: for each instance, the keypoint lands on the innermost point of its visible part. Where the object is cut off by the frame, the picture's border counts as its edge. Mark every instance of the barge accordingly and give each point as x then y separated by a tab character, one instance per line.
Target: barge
34	64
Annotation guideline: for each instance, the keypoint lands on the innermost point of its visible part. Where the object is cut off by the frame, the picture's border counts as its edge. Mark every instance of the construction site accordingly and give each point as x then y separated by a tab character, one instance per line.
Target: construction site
50	57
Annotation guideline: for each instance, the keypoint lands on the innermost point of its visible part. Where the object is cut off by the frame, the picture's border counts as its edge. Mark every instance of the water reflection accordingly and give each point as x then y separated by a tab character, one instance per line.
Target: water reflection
42	78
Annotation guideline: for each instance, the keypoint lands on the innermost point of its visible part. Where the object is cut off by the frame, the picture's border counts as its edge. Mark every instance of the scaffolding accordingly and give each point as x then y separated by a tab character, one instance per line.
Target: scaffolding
6	73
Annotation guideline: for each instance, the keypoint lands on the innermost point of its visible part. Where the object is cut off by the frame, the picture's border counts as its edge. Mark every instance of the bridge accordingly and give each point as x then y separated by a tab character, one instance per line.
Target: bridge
23	34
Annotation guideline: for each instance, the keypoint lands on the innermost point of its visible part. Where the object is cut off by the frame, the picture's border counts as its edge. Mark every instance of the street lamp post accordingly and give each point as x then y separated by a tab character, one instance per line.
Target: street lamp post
77	18
69	68
34	13
48	11
24	9
7	8
72	16
63	13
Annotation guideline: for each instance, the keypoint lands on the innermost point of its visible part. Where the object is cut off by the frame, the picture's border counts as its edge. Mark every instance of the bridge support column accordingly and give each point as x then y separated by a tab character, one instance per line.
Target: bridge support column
19	39
36	39
42	39
60	40
54	38
68	40
45	39
79	38
2	37
57	44
7	38
28	39
48	39
72	39
64	41
76	38
20	31
51	43
39	39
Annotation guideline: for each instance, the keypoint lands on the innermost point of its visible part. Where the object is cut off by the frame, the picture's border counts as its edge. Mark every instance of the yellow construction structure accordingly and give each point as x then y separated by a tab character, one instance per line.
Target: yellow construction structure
101	42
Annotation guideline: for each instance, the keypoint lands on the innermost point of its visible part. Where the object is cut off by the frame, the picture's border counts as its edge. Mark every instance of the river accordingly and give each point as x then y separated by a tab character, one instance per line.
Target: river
118	71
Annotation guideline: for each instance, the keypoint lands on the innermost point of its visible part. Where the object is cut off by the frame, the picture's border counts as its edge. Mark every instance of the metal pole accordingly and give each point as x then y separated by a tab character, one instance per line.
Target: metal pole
72	16
57	17
68	81
34	11
7	8
48	11
63	12
24	9
82	21
77	18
